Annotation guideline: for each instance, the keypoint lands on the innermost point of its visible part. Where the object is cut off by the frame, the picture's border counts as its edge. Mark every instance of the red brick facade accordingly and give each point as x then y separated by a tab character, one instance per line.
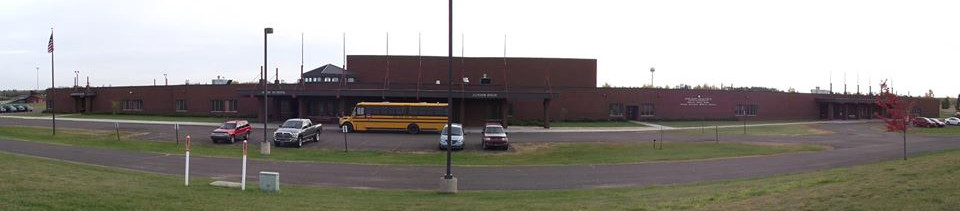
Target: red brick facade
498	88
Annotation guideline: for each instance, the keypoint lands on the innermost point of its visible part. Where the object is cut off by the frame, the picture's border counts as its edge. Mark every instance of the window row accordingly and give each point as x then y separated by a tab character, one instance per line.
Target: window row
402	111
327	80
746	110
223	105
131	105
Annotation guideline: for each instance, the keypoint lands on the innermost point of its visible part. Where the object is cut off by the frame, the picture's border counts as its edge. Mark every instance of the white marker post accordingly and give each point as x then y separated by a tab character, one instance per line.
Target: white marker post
243	176
344	129
186	171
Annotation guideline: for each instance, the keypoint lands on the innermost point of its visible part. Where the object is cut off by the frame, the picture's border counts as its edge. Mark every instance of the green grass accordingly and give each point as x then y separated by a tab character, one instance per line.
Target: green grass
596	124
724	122
947	130
927	182
525	154
772	130
146	117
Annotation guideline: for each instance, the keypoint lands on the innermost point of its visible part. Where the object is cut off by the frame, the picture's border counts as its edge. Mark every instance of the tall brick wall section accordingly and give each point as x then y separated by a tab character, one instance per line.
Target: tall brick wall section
521	73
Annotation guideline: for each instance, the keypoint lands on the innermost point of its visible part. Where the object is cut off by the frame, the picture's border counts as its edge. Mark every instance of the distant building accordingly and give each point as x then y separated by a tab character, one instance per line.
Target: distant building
34	97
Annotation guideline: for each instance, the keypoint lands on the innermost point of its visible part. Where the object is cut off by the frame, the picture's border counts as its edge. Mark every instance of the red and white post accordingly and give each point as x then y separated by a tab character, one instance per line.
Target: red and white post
186	170
243	176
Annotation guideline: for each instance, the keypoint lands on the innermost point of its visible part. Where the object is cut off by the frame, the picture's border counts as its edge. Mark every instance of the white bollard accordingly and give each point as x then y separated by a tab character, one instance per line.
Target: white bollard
186	171
243	176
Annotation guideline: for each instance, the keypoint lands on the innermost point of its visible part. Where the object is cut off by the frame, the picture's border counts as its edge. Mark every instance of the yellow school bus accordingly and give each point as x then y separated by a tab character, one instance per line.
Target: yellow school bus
410	117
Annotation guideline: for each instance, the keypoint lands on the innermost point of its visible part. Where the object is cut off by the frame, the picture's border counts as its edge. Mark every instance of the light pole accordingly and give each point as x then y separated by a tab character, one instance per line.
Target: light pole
165	80
265	145
449	183
651	76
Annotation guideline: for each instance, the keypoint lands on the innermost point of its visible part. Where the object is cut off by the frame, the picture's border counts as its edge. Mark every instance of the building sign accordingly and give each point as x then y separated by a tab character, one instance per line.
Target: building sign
484	95
697	101
276	92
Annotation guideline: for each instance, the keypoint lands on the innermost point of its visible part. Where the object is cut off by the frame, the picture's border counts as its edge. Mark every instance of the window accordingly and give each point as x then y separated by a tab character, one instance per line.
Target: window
616	109
484	81
915	111
223	105
132	105
647	109
427	111
216	106
181	105
350	80
231	106
746	110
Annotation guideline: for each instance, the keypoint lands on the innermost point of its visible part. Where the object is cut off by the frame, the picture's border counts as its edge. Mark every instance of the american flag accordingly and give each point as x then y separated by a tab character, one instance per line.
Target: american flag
50	45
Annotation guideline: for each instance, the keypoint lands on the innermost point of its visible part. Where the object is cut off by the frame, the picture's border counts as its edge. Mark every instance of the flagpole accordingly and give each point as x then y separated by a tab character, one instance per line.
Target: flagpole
53	112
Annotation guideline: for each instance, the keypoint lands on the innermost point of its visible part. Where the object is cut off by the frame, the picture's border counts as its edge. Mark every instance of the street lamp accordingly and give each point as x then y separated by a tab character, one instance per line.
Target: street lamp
265	145
165	80
449	183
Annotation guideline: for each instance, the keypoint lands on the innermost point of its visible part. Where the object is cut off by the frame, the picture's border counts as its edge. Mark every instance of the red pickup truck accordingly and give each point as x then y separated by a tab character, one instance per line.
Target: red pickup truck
231	131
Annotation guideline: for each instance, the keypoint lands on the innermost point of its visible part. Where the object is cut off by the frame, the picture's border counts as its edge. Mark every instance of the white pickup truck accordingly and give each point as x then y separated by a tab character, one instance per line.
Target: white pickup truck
294	131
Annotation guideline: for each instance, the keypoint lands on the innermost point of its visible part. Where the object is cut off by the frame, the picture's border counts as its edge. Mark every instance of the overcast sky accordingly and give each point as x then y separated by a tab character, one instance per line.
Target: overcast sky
780	44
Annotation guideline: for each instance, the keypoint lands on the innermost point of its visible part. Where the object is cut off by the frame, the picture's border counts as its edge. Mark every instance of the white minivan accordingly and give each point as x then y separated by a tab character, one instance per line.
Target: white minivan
456	134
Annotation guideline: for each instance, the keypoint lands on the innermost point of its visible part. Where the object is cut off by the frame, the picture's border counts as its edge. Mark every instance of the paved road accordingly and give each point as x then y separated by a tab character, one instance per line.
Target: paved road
854	144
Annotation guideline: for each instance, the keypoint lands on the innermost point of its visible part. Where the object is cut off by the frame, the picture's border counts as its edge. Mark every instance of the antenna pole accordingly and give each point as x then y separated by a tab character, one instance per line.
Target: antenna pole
301	59
419	64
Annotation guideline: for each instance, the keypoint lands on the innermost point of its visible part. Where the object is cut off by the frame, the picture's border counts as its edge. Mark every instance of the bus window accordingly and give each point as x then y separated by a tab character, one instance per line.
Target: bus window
358	111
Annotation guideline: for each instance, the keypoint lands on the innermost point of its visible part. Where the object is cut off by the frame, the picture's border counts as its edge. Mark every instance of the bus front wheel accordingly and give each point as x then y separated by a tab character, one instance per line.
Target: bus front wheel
413	129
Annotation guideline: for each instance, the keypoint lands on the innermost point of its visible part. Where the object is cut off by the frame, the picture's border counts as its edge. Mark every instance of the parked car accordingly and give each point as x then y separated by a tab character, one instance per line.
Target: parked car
28	108
20	108
952	121
10	108
295	131
922	122
456	133
231	131
494	136
3	110
937	122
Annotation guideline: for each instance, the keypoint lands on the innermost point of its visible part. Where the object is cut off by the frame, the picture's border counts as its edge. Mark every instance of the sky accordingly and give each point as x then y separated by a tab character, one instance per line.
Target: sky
780	44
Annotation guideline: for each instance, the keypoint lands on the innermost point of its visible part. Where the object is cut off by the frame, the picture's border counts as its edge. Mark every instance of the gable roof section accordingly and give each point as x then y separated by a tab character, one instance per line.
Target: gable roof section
327	70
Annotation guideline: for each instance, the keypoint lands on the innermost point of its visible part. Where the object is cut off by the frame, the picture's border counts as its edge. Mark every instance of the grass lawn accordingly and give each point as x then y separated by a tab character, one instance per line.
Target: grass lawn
773	130
927	182
948	130
525	154
724	122
596	124
144	117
